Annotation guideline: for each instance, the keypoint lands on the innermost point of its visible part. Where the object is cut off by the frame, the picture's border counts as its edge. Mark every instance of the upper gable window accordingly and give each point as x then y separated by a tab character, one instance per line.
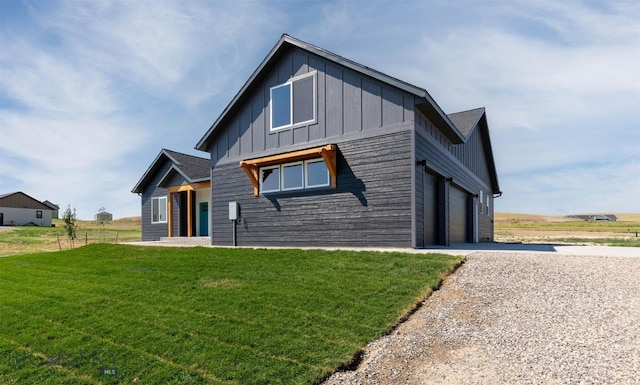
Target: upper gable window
294	102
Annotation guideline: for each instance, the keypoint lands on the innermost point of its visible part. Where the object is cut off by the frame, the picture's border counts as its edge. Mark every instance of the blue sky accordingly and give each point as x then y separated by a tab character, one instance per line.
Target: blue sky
90	91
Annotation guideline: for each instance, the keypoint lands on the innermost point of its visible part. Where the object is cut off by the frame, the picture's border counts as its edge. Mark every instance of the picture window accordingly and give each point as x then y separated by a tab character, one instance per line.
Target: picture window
309	174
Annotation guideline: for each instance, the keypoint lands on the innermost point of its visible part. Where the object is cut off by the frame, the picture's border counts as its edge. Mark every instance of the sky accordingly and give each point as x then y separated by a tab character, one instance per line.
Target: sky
91	91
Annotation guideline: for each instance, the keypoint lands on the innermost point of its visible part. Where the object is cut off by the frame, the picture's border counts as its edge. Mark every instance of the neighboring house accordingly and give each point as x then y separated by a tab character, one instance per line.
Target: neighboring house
54	207
317	150
103	216
595	217
19	209
175	192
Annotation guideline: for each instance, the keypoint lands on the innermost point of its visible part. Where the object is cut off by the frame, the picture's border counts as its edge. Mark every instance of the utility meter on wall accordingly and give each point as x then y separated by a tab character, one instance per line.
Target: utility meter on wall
234	211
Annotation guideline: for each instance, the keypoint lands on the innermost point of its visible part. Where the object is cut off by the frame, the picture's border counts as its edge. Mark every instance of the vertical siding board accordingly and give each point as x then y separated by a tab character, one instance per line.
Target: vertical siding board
319	130
352	90
223	144
271	138
246	136
408	102
392	106
259	105
301	135
285	68
334	101
371	104
234	137
300	62
285	138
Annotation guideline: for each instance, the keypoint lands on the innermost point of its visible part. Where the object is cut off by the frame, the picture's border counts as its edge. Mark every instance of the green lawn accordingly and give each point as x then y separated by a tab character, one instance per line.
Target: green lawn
123	314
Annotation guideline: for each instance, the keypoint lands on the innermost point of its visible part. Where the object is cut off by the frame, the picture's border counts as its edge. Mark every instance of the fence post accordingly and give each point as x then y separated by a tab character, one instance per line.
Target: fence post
116	237
86	239
59	246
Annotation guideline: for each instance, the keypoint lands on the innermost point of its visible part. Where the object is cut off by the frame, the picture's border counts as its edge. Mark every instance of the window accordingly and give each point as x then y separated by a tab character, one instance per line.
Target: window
308	168
481	200
316	174
159	210
292	176
39	214
294	102
270	179
311	173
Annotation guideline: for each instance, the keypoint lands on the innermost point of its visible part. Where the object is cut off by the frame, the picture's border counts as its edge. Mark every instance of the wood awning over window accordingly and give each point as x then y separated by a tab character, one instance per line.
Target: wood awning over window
327	153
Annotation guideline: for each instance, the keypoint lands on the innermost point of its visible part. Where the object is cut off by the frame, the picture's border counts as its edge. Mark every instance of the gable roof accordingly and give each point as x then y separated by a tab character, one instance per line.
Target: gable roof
426	104
465	121
192	168
51	205
7	201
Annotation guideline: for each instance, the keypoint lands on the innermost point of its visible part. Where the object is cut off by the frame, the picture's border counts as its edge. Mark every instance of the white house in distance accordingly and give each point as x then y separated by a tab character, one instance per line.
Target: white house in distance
19	209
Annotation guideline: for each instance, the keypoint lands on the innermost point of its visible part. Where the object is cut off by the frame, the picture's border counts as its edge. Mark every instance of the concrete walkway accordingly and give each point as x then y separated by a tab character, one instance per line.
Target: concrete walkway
459	249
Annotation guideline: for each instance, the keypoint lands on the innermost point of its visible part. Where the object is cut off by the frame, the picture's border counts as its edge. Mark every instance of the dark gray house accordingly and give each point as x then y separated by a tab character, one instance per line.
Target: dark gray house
175	192
317	150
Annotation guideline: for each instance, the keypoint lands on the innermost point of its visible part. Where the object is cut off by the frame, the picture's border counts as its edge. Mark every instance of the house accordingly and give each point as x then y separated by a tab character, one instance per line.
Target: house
317	150
103	216
19	209
595	217
175	192
54	207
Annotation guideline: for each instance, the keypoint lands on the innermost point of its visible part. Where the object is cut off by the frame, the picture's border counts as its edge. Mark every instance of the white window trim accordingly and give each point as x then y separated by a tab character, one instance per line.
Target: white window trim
302	171
305	183
290	84
165	210
262	169
306	174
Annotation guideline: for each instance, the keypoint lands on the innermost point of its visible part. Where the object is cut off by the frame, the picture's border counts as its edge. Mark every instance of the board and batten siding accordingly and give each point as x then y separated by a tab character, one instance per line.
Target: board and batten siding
371	205
347	103
153	231
472	154
437	151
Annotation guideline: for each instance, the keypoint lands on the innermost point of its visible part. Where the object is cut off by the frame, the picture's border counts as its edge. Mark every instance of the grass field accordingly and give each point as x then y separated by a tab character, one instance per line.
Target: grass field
559	229
31	239
123	314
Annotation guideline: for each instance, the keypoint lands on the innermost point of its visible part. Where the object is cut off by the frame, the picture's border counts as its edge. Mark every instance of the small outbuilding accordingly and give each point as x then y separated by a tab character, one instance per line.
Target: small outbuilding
103	216
19	209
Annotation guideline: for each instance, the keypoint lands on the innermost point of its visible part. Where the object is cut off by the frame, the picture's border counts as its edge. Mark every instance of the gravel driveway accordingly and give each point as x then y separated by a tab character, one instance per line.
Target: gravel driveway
517	318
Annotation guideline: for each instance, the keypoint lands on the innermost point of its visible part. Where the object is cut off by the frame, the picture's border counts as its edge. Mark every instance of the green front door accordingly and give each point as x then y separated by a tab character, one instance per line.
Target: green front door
204	219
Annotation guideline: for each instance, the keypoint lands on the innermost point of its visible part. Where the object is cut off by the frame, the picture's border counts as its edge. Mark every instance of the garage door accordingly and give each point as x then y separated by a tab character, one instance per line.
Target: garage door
457	215
430	209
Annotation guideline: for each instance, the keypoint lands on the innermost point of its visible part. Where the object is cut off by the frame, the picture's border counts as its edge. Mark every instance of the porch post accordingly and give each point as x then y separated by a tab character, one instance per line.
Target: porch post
189	203
169	216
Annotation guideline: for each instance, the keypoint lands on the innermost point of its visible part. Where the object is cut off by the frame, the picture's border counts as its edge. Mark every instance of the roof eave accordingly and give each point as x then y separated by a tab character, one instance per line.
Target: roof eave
488	149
